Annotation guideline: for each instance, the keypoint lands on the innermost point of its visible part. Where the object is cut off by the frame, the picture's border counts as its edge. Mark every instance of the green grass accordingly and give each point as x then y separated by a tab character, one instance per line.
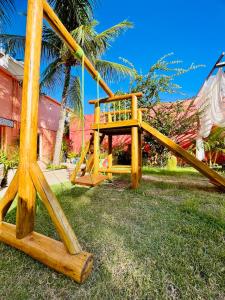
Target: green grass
164	241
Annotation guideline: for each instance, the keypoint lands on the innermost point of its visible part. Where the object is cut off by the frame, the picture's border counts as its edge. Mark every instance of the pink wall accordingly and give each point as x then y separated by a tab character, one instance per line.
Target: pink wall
76	132
76	135
10	108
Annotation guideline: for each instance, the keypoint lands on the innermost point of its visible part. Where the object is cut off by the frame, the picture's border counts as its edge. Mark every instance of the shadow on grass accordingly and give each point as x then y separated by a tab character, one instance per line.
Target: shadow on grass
176	172
180	185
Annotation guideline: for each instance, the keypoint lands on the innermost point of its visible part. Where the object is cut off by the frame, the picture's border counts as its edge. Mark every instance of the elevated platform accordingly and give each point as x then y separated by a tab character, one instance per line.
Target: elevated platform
90	180
116	128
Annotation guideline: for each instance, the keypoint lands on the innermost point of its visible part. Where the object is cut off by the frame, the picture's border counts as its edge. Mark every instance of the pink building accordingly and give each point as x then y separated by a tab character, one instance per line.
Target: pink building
11	75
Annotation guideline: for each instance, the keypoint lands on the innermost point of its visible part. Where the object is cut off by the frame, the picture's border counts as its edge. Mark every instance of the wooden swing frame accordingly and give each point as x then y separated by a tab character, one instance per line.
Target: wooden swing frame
67	256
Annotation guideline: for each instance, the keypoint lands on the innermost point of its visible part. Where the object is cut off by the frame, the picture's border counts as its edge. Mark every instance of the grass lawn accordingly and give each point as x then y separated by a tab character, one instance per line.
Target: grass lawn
164	241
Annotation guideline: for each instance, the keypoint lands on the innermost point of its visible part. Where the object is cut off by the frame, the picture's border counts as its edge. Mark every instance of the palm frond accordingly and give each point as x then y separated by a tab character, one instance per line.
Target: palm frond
15	46
53	76
104	38
113	72
73	12
6	8
74	100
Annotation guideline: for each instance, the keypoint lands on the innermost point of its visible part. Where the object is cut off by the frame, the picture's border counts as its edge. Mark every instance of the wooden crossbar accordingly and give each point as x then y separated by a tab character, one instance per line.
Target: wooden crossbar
116	98
64	34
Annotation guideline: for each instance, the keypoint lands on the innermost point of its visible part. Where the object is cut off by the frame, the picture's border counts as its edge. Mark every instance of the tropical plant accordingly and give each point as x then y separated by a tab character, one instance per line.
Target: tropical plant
6	9
215	144
171	118
9	160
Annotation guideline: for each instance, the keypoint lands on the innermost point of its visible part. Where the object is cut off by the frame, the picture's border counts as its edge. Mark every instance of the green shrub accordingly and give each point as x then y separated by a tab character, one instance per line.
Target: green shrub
51	167
171	163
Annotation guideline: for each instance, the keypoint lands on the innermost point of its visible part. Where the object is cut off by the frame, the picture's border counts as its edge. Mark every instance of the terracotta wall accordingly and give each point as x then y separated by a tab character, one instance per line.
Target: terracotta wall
10	108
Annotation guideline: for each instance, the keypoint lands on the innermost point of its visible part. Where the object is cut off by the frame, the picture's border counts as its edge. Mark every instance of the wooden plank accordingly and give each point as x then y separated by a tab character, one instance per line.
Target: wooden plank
118	124
9	196
90	180
215	178
29	119
114	170
63	33
55	211
116	98
81	161
49	252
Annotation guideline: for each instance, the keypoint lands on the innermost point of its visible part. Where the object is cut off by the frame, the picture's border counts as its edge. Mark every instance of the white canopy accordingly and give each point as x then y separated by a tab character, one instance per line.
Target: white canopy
211	104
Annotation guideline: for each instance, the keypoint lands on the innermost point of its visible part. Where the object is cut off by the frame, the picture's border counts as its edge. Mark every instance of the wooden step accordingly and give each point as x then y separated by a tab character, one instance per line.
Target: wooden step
90	180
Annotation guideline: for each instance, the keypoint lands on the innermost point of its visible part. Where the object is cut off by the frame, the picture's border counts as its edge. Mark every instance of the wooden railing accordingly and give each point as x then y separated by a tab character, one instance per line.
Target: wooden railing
112	115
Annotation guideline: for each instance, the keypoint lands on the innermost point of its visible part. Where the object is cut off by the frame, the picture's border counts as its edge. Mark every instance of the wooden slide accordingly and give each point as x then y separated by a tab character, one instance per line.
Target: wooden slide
213	176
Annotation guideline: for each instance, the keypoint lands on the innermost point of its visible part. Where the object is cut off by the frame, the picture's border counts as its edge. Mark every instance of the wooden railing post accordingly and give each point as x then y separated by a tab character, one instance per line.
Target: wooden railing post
29	119
134	146
96	140
134	108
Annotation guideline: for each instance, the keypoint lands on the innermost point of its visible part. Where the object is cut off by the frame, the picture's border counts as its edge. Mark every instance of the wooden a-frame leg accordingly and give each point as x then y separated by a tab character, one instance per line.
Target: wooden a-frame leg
9	196
55	211
29	119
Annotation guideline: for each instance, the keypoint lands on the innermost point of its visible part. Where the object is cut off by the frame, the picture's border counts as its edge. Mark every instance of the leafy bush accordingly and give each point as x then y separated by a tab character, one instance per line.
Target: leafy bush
171	163
51	167
9	160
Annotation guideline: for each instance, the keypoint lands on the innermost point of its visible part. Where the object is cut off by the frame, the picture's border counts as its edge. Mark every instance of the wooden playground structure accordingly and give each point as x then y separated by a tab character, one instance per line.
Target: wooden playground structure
67	256
109	126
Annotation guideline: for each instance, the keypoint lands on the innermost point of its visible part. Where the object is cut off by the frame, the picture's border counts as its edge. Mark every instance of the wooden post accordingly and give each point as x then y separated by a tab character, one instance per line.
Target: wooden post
140	156
134	146
110	158
29	118
110	155
96	140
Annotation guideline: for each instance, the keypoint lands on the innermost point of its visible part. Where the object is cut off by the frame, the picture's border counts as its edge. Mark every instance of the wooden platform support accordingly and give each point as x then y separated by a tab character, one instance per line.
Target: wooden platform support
134	147
96	140
67	256
110	158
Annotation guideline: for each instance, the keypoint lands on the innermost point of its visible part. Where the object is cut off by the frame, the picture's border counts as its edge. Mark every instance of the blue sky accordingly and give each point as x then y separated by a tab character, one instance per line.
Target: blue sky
193	30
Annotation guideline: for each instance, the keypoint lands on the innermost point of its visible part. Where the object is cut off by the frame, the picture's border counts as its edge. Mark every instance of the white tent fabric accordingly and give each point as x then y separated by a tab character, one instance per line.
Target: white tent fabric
211	104
200	151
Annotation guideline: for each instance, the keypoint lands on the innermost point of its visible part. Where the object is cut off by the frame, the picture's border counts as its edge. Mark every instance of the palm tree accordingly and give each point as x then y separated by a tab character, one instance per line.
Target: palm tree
6	8
60	71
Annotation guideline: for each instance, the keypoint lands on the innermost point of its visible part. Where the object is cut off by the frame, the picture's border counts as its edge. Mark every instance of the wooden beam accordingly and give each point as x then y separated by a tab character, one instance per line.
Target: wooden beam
9	196
115	98
29	119
64	34
50	252
118	124
55	211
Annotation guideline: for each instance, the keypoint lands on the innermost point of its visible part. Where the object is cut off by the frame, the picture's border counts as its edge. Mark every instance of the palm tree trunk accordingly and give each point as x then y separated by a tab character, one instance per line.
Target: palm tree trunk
62	118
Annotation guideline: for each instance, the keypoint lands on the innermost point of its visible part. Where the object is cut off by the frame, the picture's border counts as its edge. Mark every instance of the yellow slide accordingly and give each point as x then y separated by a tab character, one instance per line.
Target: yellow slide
214	177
